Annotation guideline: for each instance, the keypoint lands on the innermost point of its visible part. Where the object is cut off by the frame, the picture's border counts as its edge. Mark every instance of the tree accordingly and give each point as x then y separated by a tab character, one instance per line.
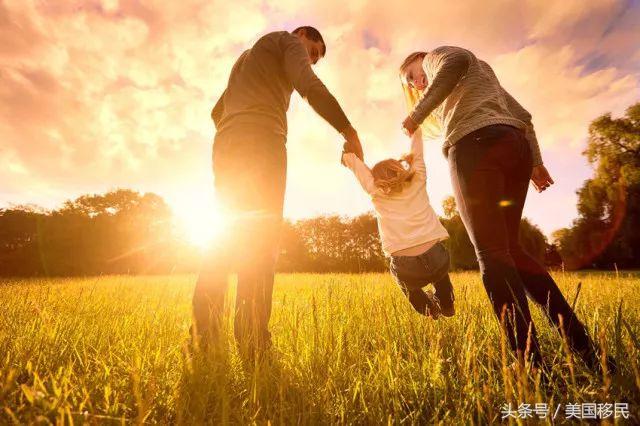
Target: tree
606	230
294	255
533	240
118	232
332	244
449	206
461	249
124	231
19	242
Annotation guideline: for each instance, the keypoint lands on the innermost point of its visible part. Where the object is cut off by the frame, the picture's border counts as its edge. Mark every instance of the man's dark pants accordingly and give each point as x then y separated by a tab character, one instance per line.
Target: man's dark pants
490	172
250	177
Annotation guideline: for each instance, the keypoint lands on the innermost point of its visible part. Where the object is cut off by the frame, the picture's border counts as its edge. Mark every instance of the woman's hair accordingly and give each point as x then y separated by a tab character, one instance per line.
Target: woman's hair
391	175
409	59
430	126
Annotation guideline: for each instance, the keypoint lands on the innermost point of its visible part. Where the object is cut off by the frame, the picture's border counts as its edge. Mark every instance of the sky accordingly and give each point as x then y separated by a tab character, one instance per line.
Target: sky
99	95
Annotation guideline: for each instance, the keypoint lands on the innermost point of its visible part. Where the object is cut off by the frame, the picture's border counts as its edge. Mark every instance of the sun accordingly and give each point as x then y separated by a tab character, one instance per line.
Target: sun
199	219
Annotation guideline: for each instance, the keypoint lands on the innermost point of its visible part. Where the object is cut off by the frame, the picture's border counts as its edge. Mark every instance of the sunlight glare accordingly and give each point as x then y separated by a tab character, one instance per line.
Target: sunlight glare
199	219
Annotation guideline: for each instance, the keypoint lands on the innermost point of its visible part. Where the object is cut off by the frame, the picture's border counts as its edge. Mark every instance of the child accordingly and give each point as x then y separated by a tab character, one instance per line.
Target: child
409	228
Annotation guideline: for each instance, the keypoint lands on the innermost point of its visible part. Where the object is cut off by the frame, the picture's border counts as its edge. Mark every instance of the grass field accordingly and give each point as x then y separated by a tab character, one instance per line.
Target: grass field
347	349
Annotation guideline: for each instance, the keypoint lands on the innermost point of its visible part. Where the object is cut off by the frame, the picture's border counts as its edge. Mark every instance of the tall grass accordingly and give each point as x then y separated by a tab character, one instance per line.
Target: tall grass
346	349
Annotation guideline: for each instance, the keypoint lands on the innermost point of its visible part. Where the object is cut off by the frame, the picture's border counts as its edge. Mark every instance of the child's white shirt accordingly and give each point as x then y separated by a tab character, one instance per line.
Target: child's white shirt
405	219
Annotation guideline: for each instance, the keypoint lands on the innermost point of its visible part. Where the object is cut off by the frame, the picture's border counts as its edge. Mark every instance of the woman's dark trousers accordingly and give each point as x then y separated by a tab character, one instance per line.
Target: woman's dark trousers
490	172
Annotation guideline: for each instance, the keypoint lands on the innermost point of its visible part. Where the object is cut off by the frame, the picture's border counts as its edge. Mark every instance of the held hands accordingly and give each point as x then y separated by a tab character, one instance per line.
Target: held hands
345	150
352	143
540	178
409	126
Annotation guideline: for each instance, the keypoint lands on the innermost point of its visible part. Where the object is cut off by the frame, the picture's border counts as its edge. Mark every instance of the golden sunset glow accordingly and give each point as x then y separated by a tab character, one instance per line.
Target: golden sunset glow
200	221
103	94
492	278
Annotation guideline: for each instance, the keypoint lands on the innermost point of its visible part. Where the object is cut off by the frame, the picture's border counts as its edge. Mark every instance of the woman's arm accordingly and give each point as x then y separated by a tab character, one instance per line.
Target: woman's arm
449	65
361	172
539	175
523	115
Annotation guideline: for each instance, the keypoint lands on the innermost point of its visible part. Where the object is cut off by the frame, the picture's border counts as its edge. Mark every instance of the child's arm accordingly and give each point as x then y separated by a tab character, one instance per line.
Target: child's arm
361	171
417	150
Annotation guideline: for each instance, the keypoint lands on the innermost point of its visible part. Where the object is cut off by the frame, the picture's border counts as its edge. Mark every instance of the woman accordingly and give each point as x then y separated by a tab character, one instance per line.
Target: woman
493	153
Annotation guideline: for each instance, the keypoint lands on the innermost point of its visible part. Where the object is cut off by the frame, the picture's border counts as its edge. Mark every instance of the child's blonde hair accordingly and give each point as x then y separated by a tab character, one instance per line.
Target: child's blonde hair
391	175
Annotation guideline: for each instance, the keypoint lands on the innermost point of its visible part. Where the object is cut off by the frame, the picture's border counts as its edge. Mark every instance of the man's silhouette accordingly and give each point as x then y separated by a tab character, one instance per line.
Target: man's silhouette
249	164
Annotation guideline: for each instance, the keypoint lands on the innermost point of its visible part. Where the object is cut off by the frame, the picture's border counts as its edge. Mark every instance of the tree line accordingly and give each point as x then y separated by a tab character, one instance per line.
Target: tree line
352	244
124	231
118	232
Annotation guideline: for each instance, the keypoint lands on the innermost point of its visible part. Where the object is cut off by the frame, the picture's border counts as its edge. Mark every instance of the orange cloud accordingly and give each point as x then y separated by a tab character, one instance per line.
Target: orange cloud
100	94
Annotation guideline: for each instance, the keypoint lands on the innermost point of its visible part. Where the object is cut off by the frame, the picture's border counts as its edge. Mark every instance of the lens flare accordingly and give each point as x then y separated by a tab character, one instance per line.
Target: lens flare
199	219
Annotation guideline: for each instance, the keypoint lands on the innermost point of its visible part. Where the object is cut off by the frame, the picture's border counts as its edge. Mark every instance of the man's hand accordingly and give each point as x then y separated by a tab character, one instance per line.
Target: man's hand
344	151
540	178
352	143
409	126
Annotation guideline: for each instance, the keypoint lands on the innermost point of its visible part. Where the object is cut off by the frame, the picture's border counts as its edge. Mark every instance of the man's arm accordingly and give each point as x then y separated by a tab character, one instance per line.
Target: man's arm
218	110
451	64
310	87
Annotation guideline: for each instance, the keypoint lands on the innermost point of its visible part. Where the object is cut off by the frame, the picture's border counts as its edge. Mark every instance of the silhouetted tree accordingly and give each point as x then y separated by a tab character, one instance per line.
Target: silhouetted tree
461	249
294	255
124	231
118	232
606	230
332	244
552	258
450	208
19	240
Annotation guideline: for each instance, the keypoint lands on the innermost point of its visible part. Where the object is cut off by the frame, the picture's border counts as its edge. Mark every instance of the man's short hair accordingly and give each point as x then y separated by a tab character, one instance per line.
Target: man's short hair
314	35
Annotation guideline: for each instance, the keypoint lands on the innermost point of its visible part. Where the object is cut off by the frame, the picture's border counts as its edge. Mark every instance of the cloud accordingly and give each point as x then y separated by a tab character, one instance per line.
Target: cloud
542	76
107	93
100	94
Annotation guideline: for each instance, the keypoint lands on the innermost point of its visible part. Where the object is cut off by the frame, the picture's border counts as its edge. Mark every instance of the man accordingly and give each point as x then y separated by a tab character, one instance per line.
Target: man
249	164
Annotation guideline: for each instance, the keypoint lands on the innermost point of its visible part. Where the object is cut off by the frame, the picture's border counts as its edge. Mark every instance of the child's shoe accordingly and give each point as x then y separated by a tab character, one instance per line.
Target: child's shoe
433	305
447	309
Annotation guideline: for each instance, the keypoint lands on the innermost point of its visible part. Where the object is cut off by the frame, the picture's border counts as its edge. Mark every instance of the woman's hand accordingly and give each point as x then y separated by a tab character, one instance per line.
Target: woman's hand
409	126
540	178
